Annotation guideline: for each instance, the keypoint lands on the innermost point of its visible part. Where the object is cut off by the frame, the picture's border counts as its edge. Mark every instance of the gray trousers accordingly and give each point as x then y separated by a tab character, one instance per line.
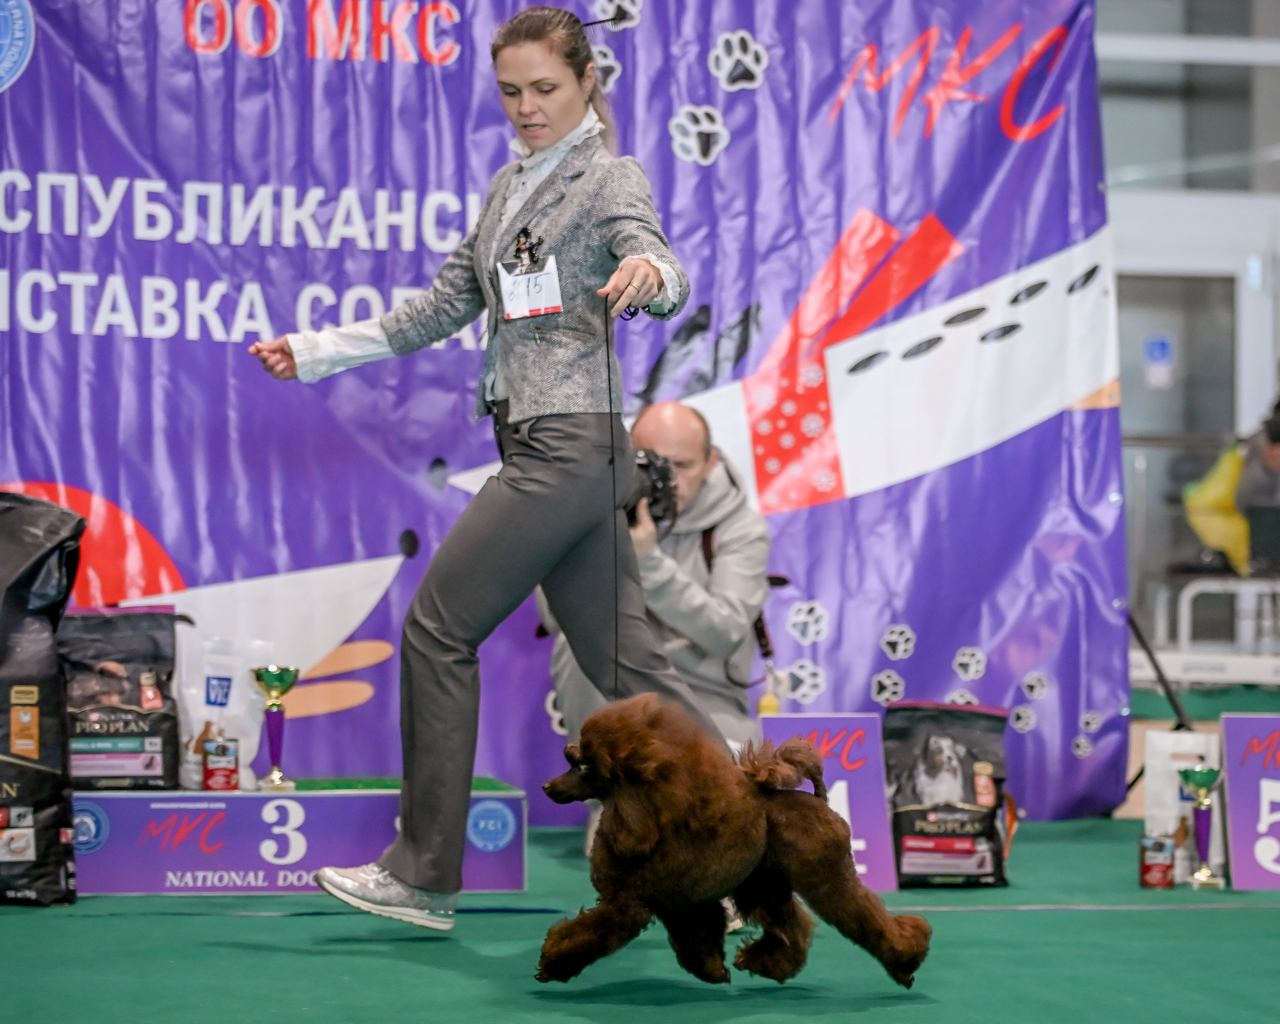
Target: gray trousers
549	517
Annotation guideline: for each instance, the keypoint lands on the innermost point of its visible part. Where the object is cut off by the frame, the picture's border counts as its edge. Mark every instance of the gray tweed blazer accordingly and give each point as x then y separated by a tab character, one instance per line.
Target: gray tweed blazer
593	210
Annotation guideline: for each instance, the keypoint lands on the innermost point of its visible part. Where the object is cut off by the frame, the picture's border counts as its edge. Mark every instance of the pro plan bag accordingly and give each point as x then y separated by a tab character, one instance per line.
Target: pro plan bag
952	821
124	720
39	552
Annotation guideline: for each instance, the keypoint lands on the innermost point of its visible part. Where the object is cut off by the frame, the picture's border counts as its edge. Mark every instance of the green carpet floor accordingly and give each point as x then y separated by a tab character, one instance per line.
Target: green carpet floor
1206	704
1073	939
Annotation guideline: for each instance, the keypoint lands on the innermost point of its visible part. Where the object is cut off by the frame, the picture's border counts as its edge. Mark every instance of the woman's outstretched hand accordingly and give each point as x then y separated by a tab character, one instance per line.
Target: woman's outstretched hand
635	283
276	357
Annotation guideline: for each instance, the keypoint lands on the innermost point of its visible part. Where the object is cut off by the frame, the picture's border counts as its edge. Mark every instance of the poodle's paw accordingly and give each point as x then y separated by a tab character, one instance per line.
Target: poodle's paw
553	969
910	947
713	973
770	957
556	961
705	965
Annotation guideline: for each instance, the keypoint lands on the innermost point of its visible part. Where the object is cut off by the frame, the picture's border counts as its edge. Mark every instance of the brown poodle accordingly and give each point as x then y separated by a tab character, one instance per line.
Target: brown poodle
684	826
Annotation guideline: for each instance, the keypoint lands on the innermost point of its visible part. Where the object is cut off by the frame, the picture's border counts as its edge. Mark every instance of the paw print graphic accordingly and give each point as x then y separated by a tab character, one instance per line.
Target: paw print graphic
608	70
698	134
898	642
1035	685
970	663
1023	718
805	681
1082	747
1090	721
961	696
627	13
887	687
555	715
738	61
807	622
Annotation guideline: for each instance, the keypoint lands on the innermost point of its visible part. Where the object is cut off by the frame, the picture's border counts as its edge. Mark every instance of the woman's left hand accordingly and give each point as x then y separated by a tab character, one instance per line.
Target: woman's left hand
634	283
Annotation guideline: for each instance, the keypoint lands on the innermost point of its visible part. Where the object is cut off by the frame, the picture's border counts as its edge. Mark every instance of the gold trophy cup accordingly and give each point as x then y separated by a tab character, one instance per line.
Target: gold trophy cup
275	681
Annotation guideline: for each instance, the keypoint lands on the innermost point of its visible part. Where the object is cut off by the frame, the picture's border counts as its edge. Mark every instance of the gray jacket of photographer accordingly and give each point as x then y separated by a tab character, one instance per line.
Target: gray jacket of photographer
592	211
703	618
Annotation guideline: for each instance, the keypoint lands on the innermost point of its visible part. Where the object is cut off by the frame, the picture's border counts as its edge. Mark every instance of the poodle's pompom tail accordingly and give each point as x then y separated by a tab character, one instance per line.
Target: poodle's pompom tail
784	767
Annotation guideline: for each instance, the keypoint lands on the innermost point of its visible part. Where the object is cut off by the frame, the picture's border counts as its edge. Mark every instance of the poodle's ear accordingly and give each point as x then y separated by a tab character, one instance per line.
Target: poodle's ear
628	824
961	750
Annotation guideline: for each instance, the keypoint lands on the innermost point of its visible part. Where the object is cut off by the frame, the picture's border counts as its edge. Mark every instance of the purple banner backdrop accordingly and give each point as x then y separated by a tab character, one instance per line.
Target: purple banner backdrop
1251	754
853	768
901	328
260	843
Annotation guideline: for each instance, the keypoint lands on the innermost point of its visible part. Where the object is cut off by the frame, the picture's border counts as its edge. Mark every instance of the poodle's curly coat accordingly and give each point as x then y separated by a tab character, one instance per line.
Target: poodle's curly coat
684	826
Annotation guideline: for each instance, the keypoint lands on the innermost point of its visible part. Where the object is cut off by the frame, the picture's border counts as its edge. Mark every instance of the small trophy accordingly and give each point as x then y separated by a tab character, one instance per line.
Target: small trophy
1202	781
275	681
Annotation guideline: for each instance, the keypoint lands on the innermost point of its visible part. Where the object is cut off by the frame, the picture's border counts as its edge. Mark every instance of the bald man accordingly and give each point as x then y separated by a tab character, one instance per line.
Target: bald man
702	613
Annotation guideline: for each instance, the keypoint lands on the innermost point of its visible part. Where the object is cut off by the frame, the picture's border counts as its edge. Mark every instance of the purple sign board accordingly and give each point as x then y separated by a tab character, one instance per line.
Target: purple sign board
240	843
853	767
1251	755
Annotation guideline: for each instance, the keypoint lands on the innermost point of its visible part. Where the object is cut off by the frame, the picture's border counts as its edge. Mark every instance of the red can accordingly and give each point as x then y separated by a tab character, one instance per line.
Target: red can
221	763
1156	862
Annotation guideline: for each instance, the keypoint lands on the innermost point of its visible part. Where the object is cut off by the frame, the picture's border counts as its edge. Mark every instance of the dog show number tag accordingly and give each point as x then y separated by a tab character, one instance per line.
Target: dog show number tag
529	291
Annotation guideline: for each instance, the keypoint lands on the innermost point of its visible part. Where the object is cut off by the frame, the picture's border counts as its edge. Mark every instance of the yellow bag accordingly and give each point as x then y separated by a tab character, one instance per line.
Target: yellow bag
1211	509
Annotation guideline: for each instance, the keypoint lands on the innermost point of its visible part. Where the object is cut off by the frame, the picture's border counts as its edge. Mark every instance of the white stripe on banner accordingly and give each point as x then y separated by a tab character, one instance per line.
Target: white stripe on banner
953	381
1002	365
305	614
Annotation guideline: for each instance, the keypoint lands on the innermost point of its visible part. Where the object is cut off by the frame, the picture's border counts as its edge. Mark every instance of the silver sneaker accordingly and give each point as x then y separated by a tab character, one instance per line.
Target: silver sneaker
374	889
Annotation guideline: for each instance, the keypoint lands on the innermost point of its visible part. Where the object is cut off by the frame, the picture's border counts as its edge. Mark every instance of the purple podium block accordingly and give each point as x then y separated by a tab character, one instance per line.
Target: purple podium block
1251	755
852	753
239	843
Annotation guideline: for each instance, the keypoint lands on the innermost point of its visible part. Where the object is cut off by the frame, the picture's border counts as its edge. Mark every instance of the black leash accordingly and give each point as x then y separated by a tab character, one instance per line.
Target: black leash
613	481
629	313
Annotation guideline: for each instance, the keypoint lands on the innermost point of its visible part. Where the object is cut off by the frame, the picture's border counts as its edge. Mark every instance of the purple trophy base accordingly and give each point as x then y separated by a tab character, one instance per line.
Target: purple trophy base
1203	815
275	736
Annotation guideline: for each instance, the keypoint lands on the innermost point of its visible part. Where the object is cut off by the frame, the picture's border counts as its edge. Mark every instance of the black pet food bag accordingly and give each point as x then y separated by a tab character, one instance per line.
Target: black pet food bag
945	774
39	553
124	721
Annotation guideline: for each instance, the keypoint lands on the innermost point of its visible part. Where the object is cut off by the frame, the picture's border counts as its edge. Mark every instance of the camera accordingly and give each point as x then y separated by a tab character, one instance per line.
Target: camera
655	480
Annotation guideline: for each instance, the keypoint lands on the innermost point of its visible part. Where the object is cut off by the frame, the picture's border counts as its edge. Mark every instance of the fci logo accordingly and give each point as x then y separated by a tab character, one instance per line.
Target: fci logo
17	39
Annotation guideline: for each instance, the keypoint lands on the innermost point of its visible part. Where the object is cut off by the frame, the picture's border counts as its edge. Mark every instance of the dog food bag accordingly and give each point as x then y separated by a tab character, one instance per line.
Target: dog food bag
124	722
951	818
1168	806
218	700
39	553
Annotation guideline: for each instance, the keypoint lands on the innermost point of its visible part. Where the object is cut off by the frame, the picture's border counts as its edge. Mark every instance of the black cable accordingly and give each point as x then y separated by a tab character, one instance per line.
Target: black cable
1183	722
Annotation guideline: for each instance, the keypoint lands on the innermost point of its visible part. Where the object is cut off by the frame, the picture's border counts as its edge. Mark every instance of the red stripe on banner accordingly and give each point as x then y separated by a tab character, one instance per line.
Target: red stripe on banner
796	452
929	248
120	558
864	244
